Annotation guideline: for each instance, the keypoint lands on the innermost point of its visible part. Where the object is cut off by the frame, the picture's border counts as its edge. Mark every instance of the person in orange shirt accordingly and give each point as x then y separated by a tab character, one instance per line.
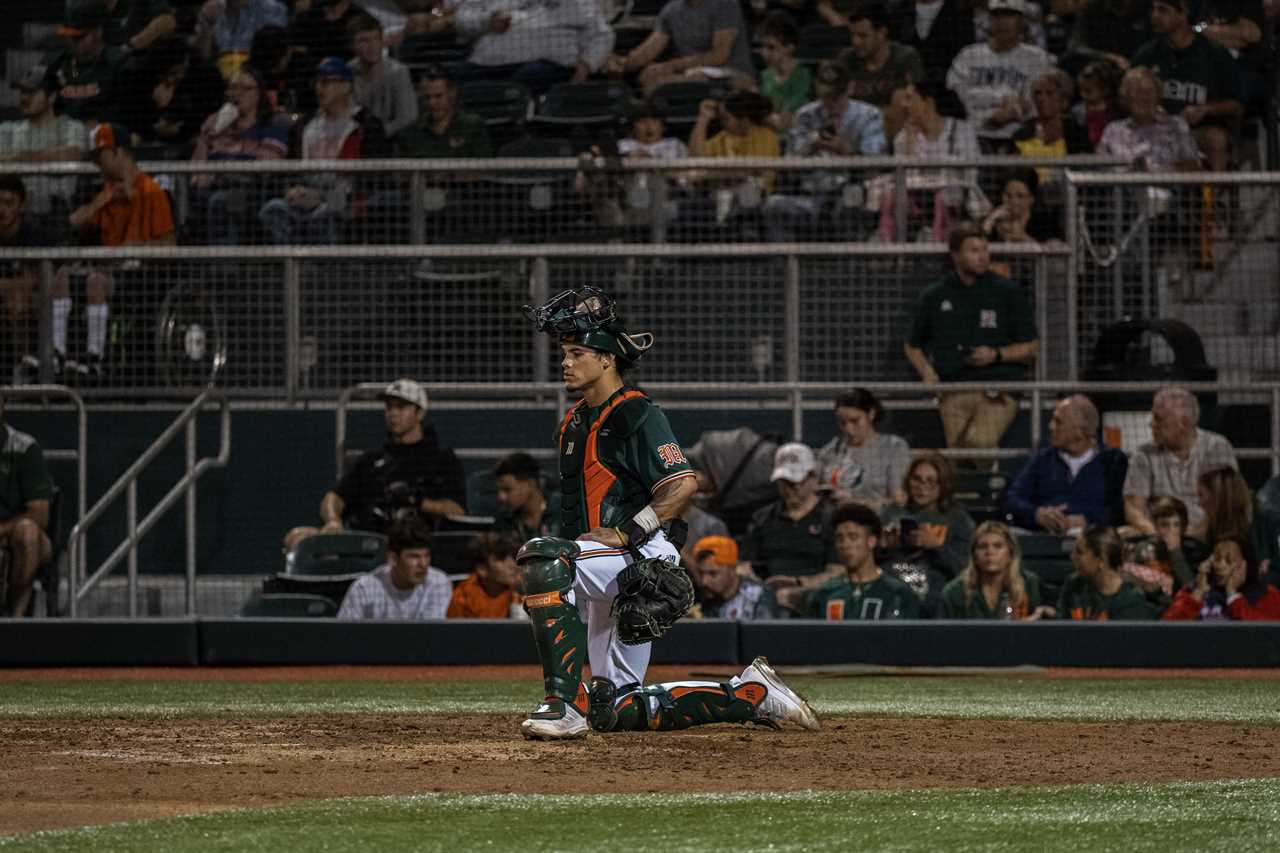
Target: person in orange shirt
490	591
131	209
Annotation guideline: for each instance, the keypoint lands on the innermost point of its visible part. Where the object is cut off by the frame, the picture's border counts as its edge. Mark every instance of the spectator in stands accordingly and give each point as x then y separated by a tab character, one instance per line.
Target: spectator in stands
321	31
491	591
1238	26
993	78
19	283
938	197
225	29
86	73
878	65
24	514
931	524
859	463
289	87
1098	591
1229	506
701	525
708	37
1053	132
833	125
130	210
937	29
722	592
406	586
312	209
1019	218
411	476
734	470
784	81
524	511
1170	464
165	97
1099	86
635	198
1199	78
1033	32
862	590
1074	481
744	132
442	129
537	46
1111	31
132	26
789	543
382	85
1159	142
994	585
1228	585
973	325
1170	517
246	128
42	136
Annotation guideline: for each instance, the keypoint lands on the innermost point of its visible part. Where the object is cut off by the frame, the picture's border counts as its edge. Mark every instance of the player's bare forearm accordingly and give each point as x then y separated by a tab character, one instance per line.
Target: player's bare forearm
672	498
1135	512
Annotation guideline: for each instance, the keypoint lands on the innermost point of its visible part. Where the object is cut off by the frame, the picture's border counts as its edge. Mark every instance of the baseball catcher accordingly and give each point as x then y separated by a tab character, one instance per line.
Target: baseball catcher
614	583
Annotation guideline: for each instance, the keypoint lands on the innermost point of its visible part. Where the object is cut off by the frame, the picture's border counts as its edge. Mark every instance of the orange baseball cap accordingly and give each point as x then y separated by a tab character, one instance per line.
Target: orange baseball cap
722	549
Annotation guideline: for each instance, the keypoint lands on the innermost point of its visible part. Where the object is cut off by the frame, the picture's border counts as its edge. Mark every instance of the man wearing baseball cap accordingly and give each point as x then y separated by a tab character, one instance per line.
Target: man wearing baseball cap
789	541
722	592
993	78
411	475
86	73
42	136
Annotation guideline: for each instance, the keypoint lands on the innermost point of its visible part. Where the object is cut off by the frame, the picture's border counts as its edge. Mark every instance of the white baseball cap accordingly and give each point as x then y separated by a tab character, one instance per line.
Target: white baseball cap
407	390
1018	6
793	462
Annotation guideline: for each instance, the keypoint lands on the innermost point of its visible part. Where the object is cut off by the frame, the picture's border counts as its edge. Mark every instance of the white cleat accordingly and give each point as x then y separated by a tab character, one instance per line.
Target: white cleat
781	704
543	725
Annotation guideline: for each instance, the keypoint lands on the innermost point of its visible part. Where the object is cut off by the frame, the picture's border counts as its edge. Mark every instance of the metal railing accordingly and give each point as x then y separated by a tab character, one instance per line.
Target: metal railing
82	583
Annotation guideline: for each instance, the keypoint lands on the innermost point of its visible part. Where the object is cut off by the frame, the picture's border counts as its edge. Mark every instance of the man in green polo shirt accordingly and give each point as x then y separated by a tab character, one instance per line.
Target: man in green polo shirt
25	492
973	326
442	130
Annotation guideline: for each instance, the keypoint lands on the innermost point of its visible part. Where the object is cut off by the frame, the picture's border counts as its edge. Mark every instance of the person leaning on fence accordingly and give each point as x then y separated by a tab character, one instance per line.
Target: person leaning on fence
722	592
312	209
410	476
1171	463
525	510
994	585
1228	585
859	463
406	586
1074	481
1098	591
492	590
1020	217
130	210
25	492
973	326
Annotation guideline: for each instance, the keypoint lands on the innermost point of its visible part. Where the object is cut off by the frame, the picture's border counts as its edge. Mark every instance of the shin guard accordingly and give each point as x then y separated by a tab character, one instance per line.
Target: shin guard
558	630
680	705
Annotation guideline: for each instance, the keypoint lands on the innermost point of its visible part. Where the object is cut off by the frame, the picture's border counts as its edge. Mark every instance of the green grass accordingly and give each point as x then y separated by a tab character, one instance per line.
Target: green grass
999	697
1236	816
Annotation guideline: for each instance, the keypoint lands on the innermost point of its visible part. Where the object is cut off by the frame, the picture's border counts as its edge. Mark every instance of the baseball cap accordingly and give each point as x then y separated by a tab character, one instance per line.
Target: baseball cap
407	390
793	462
721	549
83	17
106	135
35	77
1018	6
333	66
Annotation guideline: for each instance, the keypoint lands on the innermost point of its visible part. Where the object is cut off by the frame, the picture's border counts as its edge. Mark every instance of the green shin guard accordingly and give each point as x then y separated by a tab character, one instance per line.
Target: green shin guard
680	706
558	630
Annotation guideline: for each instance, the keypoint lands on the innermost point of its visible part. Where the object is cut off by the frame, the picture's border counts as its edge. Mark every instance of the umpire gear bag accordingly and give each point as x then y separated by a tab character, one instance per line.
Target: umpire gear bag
652	595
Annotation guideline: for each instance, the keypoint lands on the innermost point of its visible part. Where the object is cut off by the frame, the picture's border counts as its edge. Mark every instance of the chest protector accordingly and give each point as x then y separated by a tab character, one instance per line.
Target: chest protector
596	489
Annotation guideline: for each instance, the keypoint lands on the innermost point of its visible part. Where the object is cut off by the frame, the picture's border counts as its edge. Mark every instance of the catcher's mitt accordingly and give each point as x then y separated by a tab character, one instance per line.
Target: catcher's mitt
652	595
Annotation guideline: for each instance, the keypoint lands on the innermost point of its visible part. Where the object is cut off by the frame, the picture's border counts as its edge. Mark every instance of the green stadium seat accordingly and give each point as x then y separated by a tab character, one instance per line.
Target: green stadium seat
288	605
1049	557
346	553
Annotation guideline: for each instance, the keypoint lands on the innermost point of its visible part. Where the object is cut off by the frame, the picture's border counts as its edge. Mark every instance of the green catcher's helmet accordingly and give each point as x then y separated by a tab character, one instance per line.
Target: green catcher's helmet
586	316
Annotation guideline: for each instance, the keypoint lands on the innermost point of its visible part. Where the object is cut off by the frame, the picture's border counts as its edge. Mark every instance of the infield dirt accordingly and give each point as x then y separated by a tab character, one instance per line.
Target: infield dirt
73	772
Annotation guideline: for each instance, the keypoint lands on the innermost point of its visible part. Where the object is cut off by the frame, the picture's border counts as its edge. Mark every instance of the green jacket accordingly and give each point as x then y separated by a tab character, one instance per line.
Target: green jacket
886	597
1081	601
954	605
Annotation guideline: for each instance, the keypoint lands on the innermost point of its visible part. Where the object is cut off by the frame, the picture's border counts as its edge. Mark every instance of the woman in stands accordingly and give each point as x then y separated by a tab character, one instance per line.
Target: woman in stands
1097	590
860	463
1229	505
931	523
1228	586
993	584
246	128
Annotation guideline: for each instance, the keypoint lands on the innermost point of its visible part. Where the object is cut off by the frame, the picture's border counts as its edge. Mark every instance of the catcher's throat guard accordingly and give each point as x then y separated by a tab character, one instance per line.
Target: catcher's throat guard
588	316
652	596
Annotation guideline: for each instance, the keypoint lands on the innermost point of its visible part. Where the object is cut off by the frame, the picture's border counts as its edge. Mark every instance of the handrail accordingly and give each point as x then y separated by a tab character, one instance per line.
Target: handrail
128	484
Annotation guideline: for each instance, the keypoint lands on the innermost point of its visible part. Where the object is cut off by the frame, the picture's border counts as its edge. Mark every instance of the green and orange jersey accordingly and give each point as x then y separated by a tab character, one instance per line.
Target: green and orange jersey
1081	601
612	459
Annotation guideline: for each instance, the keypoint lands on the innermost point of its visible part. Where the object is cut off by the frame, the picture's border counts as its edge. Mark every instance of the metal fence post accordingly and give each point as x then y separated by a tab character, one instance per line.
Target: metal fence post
191	519
131	521
539	277
1073	289
45	344
791	319
292	325
900	205
417	213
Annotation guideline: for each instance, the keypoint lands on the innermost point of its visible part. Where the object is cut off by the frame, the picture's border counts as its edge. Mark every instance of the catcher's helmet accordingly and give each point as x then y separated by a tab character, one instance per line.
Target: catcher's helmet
586	316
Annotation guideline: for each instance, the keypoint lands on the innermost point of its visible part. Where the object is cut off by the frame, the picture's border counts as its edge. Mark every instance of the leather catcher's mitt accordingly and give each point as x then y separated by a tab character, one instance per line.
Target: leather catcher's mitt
652	595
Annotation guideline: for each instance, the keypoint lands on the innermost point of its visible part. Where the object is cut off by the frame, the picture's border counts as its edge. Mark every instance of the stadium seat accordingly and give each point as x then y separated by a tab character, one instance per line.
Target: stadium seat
979	492
345	553
821	41
505	107
482	490
288	605
1049	557
1269	496
594	105
679	102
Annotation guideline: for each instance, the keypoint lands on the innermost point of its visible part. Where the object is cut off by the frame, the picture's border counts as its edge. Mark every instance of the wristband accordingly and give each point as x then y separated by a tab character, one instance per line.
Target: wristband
639	527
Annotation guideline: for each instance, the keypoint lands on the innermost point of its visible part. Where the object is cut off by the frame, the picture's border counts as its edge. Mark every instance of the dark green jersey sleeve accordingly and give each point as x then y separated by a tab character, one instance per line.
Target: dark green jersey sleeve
653	455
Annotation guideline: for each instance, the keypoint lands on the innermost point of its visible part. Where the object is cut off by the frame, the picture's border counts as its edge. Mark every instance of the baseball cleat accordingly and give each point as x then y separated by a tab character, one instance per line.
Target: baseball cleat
781	704
555	720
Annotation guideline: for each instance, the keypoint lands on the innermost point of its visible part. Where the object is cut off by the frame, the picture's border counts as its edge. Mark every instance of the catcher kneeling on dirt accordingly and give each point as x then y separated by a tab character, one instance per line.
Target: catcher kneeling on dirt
615	584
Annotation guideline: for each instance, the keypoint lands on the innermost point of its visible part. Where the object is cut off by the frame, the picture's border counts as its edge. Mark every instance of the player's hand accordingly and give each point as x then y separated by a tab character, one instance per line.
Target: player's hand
605	536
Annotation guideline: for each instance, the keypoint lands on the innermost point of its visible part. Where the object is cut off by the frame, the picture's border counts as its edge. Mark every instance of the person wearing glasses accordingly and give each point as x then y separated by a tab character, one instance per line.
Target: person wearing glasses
931	528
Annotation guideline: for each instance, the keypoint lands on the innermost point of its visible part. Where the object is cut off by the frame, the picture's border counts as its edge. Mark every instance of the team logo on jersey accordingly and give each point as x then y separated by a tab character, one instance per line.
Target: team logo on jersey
568	448
987	318
835	610
671	454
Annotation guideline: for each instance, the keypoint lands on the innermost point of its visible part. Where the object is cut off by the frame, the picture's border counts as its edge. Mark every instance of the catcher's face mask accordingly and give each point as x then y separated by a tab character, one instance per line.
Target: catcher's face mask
587	317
